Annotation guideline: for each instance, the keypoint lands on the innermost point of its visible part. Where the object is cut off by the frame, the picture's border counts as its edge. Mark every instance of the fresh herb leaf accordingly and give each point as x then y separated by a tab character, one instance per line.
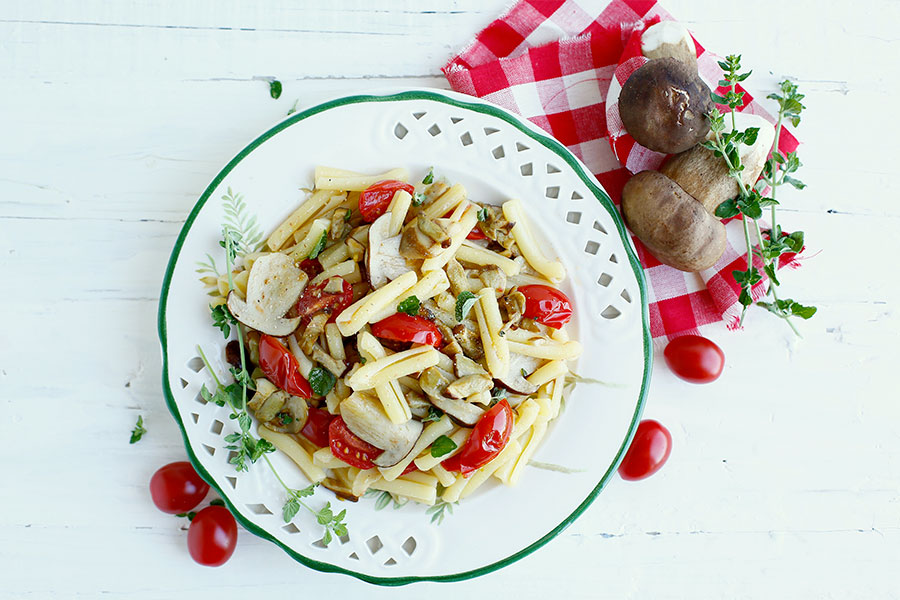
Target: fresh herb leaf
441	446
293	109
523	372
434	414
321	380
222	318
320	245
464	303
275	88
409	306
482	214
430	177
418	199
138	432
439	511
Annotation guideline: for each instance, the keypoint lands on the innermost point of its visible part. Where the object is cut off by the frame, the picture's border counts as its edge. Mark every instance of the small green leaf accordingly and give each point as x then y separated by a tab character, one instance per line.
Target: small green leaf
409	306
745	299
727	209
418	198
717	98
750	135
429	177
320	245
275	89
482	214
434	414
222	318
464	303
244	422
794	182
138	432
321	381
290	509
326	539
441	446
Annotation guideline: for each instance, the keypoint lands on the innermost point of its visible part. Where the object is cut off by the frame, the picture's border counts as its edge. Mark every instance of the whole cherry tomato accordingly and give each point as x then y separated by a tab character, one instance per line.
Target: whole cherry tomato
281	367
316	428
315	299
349	448
375	199
402	327
487	439
546	305
176	488
695	359
212	536
648	452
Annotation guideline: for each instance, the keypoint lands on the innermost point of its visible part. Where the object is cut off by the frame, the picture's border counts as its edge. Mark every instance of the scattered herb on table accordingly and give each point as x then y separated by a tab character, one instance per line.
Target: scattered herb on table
138	432
772	244
275	88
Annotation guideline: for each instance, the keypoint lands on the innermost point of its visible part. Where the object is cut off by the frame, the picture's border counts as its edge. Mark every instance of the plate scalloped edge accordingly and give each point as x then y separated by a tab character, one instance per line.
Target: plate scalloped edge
530	130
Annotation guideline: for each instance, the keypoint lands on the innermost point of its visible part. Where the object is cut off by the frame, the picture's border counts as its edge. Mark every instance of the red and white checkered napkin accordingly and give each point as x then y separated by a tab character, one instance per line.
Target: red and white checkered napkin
556	65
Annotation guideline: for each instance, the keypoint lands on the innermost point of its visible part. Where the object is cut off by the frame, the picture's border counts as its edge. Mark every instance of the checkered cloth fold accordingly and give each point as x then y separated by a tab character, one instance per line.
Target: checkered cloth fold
562	69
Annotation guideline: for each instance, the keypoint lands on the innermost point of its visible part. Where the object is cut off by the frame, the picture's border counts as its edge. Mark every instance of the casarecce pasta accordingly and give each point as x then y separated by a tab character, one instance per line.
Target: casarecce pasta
403	337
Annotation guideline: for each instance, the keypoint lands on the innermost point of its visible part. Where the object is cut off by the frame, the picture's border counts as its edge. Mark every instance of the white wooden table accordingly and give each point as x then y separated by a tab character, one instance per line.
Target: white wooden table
784	481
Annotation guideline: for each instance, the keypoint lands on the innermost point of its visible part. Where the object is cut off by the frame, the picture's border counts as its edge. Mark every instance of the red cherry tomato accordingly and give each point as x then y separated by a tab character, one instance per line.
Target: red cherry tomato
695	359
311	266
402	327
315	299
316	428
349	448
281	368
375	199
546	305
212	536
176	488
475	234
487	439
648	452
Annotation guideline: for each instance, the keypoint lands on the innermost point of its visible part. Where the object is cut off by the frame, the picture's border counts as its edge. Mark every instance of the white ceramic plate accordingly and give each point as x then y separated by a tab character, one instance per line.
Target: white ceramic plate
496	155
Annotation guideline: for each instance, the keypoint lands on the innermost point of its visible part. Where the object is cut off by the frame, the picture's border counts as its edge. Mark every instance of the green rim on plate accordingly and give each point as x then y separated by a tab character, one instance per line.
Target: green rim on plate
537	136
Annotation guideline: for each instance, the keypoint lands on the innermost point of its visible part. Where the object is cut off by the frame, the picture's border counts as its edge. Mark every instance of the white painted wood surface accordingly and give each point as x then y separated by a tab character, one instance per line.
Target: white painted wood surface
784	481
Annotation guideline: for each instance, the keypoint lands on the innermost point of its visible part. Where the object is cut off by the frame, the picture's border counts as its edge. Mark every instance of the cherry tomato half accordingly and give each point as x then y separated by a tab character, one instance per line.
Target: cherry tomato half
648	452
311	266
695	358
316	428
281	367
212	536
402	327
487	439
315	299
546	305
176	488
349	448
375	199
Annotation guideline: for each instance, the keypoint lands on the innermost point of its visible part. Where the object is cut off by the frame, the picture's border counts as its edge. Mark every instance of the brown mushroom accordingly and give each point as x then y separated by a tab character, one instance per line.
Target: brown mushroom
663	105
383	258
703	175
673	225
273	286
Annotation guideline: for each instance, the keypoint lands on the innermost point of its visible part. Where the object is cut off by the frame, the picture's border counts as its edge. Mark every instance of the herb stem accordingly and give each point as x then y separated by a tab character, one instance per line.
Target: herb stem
749	262
287	488
208	366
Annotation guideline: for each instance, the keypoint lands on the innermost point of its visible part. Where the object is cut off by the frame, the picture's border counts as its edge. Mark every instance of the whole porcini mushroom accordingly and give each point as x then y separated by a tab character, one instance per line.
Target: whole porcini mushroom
273	286
674	226
663	105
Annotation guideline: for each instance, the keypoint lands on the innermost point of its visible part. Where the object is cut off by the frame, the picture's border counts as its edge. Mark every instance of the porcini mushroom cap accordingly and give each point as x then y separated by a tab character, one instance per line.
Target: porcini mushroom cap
663	105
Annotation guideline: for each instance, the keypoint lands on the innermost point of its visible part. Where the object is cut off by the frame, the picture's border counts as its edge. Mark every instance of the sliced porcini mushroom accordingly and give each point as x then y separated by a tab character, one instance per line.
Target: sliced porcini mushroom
456	274
469	385
434	381
513	304
669	39
469	340
418	405
493	276
414	245
340	225
383	259
663	105
435	229
342	490
313	330
520	367
366	418
271	405
463	365
703	175
292	416
335	366
674	226
273	286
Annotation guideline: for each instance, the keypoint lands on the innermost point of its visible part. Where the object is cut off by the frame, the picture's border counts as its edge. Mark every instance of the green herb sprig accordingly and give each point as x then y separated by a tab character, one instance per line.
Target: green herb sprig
409	306
750	202
138	432
464	303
